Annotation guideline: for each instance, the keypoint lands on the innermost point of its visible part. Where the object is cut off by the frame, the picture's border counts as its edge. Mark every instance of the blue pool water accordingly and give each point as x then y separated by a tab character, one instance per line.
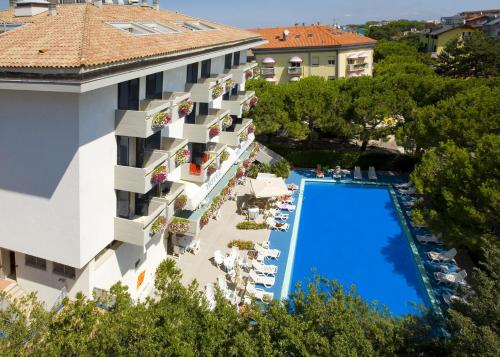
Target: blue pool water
351	232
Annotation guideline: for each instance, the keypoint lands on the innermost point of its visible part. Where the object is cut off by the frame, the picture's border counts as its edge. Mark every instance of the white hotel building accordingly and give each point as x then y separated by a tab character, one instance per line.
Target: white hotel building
91	106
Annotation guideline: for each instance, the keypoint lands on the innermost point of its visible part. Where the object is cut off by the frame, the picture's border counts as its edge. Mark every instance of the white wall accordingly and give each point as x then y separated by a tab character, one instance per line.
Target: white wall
243	56
174	80
217	66
97	158
39	175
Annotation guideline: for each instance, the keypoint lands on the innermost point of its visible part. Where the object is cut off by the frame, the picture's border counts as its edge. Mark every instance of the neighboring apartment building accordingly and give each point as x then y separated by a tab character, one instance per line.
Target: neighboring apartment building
98	102
301	51
435	41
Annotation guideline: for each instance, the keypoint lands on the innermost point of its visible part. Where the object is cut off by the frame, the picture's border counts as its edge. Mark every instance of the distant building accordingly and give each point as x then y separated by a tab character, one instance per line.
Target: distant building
301	51
435	41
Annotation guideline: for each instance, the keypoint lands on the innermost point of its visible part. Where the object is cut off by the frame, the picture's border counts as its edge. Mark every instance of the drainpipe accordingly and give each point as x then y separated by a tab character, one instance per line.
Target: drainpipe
52	8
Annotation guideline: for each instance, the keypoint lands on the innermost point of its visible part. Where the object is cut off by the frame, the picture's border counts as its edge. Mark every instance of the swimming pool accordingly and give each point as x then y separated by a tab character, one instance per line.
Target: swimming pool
352	233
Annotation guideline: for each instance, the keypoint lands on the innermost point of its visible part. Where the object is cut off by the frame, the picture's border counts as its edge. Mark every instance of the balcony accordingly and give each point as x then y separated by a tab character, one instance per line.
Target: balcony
354	67
176	98
295	71
239	72
232	138
172	146
139	123
137	230
216	148
267	71
198	131
202	90
138	179
198	173
235	102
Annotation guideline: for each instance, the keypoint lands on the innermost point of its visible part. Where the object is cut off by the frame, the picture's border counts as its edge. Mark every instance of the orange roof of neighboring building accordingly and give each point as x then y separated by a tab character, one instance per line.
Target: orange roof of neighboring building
78	36
310	36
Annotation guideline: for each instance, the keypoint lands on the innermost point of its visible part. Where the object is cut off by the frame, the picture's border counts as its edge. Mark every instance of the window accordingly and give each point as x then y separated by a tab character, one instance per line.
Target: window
64	270
142	28
154	86
191	118
236	58
203	108
35	262
123	204
331	61
195	26
128	95
315	61
123	143
192	73
228	60
6	26
332	78
206	68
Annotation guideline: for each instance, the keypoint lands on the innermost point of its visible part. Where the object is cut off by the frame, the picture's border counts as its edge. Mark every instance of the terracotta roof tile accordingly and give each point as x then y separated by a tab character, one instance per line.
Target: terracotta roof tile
79	36
309	36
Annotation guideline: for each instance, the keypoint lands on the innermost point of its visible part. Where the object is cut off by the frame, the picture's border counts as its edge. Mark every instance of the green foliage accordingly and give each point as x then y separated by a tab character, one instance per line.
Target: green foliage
476	55
251	225
394	29
242	244
384	49
280	169
306	158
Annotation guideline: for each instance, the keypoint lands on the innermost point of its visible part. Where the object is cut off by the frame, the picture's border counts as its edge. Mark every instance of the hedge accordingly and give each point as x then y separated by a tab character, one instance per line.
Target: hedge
251	225
306	158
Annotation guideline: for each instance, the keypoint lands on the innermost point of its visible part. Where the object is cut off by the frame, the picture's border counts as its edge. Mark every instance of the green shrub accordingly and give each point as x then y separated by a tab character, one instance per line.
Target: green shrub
242	244
251	225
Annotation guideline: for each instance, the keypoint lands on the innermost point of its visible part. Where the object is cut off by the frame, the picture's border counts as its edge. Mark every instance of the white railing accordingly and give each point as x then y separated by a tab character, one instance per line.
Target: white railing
295	70
267	71
357	66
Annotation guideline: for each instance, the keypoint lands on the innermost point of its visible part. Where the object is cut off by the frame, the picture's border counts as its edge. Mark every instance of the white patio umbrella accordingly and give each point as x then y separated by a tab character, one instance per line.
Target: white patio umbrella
268	187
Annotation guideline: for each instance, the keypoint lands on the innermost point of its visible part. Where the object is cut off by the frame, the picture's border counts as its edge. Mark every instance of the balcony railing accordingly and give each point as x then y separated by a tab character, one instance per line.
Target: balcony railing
232	138
139	123
202	90
239	72
296	71
267	71
199	130
235	102
357	66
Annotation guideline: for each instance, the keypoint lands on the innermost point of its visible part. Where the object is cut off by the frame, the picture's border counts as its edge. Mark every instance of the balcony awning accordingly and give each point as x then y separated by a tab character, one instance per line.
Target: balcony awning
294	79
268	60
363	55
271	79
295	59
353	56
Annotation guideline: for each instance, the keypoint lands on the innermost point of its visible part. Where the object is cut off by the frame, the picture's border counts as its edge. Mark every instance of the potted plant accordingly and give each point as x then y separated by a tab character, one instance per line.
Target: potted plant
243	136
213	131
251	129
230	84
160	120
159	175
204	219
248	74
180	202
211	168
217	91
182	156
224	156
253	102
185	108
240	173
178	226
158	225
227	121
246	109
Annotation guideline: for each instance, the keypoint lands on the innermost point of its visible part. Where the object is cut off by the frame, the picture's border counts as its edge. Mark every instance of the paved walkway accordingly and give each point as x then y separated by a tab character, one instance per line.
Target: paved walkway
215	236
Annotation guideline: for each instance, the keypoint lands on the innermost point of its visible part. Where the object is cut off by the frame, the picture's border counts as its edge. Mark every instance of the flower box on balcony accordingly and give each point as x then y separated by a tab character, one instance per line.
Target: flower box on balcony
185	108
229	84
248	74
160	120
227	121
182	156
178	226
158	225
180	202
253	102
211	168
243	136
224	156
251	129
159	175
217	91
195	169
213	131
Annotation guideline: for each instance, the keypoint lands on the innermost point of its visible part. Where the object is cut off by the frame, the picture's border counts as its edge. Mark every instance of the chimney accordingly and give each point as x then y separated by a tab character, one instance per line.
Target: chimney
98	3
25	8
52	8
144	3
285	34
12	4
156	4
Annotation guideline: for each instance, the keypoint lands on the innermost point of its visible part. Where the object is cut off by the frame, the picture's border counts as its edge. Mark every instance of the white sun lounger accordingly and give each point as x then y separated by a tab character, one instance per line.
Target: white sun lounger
443	257
285	206
408	192
257	293
267	281
451	278
405	185
210	296
279	226
357	173
428	239
218	258
262	268
372	175
228	294
451	298
267	252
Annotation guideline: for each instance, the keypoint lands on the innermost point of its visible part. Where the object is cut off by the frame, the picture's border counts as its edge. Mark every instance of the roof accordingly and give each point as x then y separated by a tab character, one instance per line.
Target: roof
447	28
493	22
79	36
310	36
